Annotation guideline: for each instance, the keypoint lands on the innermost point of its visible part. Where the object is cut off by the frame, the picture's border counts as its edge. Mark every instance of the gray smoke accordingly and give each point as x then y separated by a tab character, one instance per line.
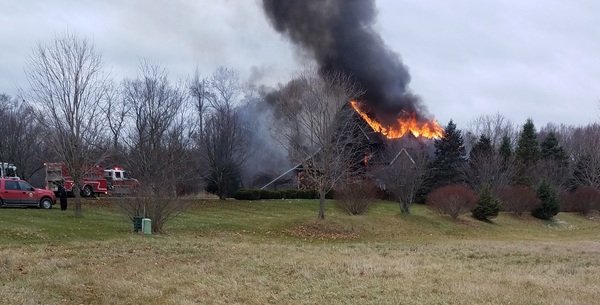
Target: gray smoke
268	158
339	35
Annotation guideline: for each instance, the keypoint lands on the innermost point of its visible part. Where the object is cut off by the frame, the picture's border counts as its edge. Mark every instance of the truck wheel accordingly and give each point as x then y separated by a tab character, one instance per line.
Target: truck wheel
46	203
87	191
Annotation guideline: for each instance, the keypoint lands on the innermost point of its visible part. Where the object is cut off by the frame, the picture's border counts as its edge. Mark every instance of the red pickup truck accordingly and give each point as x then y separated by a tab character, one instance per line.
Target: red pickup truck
15	192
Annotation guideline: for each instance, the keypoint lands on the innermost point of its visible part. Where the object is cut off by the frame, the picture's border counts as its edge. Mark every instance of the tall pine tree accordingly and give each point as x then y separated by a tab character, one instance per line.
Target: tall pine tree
450	157
527	154
506	148
552	150
482	147
554	164
528	149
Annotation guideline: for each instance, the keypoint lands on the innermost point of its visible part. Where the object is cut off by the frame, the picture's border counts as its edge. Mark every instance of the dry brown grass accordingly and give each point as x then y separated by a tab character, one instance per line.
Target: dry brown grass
273	252
240	269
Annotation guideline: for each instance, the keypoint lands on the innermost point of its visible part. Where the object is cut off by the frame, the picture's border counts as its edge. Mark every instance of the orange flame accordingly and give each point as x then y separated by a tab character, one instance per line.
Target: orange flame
407	123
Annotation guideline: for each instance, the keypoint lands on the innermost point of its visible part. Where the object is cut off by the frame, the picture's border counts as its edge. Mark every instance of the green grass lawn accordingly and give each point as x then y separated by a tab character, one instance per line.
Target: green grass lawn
273	218
274	251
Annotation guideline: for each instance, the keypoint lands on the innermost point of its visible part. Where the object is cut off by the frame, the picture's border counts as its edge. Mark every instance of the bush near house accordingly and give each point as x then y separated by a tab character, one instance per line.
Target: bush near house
452	200
518	199
250	194
355	198
582	201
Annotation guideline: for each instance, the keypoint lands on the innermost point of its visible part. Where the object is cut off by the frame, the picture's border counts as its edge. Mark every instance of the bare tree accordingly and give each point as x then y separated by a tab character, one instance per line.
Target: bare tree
158	143
490	169
585	152
116	112
404	174
198	91
224	150
224	139
494	127
21	141
320	130
68	87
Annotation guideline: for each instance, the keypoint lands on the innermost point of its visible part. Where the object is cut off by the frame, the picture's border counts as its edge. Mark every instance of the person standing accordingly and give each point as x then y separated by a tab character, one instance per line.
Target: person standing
62	193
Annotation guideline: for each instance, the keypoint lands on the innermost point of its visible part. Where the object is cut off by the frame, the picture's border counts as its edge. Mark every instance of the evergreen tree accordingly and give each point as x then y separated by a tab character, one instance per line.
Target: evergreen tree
528	149
554	164
551	149
488	206
527	154
549	202
505	148
450	157
482	147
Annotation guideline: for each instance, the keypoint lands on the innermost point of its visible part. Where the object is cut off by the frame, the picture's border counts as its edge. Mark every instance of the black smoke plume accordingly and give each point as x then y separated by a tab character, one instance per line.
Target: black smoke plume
340	36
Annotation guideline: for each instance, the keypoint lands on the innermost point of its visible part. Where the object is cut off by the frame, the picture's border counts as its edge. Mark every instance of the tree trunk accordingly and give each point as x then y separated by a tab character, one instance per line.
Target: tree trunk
404	208
155	227
77	194
221	187
221	190
405	204
321	206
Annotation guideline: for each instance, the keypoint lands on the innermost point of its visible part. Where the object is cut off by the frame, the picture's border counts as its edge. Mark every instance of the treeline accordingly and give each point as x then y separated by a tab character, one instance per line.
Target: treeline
202	133
174	137
495	166
180	137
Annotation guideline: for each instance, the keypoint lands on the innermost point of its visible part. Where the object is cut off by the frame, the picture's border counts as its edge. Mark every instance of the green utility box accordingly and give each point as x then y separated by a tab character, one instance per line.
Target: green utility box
137	223
147	226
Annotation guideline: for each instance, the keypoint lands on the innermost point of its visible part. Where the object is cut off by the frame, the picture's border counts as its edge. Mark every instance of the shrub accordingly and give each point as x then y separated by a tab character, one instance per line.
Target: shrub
549	203
268	194
518	199
275	195
307	194
330	195
289	194
488	206
452	200
246	194
582	201
354	198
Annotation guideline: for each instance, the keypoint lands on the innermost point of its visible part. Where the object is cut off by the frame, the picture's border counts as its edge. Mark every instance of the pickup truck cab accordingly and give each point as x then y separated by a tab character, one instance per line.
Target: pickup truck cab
16	192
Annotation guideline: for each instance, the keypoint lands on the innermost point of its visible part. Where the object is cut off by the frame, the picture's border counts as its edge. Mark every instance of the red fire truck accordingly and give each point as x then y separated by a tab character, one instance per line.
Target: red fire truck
96	180
118	182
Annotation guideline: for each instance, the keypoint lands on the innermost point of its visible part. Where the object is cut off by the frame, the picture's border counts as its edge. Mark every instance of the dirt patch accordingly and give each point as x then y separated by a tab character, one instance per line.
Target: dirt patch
323	230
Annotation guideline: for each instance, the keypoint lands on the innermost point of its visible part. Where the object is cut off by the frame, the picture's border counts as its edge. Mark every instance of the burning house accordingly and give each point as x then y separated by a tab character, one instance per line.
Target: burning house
340	37
374	146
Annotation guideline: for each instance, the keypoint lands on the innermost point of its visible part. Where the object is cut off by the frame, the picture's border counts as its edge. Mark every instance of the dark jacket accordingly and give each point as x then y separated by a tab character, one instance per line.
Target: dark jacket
62	193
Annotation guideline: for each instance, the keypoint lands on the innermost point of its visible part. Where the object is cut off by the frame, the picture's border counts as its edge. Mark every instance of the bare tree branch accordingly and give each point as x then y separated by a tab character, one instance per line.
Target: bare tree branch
404	174
319	129
68	87
158	142
224	145
494	127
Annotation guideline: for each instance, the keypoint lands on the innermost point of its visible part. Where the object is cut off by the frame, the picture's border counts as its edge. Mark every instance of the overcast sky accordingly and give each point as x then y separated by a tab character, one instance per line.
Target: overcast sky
538	59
